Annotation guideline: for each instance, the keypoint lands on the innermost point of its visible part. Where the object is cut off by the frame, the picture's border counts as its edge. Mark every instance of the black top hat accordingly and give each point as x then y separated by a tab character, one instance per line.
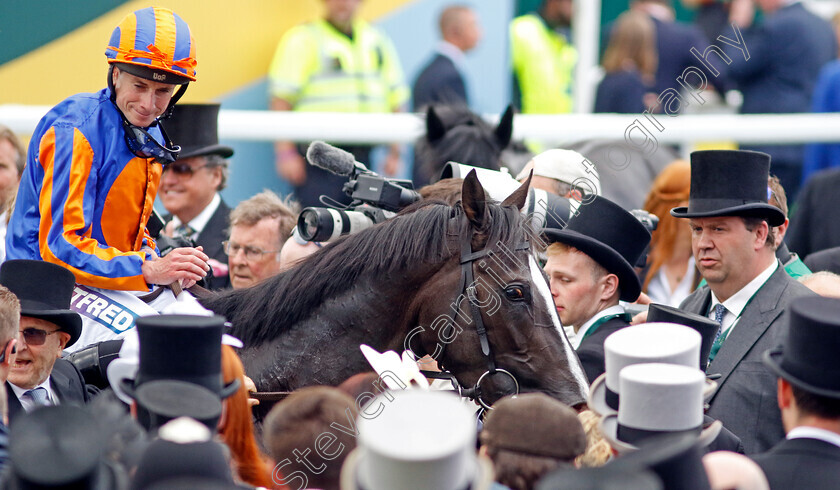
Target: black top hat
611	236
59	447
706	327
194	127
729	183
44	291
183	348
808	359
608	477
675	459
170	465
165	400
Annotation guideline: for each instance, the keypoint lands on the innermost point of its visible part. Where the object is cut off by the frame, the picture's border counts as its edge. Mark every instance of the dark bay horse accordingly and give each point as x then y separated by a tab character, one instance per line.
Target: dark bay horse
401	284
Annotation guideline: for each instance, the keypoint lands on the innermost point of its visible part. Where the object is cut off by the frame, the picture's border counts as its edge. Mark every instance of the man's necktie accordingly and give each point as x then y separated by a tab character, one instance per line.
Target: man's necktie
720	311
38	396
184	230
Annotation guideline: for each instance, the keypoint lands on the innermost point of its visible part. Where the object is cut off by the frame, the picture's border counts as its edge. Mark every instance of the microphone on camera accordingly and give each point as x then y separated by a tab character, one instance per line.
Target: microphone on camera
333	160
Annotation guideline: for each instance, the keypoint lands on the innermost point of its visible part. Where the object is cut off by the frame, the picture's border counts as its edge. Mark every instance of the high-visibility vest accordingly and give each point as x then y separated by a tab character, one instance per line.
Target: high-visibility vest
543	63
318	68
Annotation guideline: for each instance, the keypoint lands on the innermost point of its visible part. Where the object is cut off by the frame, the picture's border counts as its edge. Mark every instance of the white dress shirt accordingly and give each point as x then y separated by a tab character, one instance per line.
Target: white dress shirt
737	302
805	432
199	222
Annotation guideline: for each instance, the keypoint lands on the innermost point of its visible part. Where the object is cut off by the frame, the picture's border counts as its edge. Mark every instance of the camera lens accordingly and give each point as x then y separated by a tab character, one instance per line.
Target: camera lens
315	224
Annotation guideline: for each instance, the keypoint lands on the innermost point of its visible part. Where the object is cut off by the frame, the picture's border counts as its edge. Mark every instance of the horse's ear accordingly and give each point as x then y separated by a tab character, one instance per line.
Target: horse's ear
520	195
473	200
435	128
504	131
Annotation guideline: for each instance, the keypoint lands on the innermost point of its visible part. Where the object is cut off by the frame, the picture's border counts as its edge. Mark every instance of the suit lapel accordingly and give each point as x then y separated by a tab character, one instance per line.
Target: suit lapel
15	407
755	320
213	234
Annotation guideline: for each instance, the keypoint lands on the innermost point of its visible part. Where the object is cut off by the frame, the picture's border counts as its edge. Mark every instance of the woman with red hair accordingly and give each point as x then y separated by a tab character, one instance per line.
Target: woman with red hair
236	428
671	273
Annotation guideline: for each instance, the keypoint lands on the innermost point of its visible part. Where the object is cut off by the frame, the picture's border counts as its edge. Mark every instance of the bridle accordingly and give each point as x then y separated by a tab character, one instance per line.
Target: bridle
467	289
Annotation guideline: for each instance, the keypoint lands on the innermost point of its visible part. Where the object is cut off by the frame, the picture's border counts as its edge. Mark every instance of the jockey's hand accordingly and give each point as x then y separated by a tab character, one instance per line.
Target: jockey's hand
187	265
251	388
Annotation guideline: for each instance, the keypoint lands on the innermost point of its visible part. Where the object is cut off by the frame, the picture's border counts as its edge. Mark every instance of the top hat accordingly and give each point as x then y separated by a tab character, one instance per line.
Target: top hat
650	342
184	456
611	236
440	455
677	459
44	291
534	424
59	447
706	327
566	166
729	183
183	348
656	399
194	127
808	358
164	400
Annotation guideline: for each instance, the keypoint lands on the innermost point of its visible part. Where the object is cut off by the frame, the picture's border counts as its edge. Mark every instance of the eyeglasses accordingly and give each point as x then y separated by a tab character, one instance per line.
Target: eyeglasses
36	336
183	168
144	145
251	253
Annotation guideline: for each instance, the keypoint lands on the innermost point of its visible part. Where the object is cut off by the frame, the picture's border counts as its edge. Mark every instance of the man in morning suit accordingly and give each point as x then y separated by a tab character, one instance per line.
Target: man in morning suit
747	291
590	268
809	398
39	376
189	188
442	80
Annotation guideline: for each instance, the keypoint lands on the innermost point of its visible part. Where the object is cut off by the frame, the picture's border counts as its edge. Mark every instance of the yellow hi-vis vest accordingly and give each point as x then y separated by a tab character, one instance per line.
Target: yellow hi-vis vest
317	68
543	63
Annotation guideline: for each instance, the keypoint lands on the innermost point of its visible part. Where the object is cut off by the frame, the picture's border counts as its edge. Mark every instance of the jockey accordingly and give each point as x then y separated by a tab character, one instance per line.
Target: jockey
95	161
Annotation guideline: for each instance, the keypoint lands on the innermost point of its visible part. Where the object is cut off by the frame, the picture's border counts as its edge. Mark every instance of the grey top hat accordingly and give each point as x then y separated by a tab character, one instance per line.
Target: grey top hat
650	342
658	398
729	183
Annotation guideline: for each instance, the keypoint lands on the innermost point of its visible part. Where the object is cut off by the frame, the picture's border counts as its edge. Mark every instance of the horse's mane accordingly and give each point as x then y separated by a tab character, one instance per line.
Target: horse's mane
417	236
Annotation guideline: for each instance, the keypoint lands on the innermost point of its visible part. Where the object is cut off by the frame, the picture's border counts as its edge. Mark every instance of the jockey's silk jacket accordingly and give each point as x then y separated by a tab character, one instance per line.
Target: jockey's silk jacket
84	198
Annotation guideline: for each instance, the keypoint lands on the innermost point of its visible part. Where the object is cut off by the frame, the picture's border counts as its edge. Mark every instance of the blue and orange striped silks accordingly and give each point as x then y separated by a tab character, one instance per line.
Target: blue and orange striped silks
154	37
84	198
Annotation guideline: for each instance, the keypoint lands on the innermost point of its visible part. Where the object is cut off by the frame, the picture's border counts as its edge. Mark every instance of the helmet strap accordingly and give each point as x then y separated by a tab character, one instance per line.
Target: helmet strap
174	100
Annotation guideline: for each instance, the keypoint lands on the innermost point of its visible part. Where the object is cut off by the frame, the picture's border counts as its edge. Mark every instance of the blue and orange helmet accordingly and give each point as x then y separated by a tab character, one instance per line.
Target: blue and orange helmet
156	44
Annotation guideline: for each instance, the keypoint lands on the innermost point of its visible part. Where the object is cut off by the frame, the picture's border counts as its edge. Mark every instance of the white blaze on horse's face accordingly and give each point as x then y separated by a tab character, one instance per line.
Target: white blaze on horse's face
544	293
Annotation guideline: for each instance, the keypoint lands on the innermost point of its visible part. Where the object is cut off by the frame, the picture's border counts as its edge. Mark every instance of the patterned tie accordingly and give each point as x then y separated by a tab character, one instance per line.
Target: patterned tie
720	311
38	396
184	230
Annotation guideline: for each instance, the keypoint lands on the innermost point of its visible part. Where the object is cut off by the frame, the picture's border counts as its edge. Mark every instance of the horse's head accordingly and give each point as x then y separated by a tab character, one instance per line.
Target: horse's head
489	315
456	134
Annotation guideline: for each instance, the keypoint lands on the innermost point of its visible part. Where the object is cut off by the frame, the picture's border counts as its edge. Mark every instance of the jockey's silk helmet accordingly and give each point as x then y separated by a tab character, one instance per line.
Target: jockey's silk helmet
156	44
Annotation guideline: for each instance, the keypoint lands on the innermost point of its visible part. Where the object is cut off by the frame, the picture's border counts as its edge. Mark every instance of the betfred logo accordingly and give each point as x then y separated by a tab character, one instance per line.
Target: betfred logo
159	76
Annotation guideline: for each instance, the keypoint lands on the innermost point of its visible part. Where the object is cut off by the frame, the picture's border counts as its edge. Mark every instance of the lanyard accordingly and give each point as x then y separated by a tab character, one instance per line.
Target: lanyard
723	335
624	316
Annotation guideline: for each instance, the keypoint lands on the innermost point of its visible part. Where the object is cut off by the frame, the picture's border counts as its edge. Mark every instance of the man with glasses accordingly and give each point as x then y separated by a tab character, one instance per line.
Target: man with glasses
39	376
95	162
258	228
189	188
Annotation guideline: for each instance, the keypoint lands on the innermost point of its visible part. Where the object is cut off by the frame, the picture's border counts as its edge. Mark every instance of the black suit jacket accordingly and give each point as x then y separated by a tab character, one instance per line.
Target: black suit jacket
67	384
440	82
801	463
591	349
211	238
745	400
813	226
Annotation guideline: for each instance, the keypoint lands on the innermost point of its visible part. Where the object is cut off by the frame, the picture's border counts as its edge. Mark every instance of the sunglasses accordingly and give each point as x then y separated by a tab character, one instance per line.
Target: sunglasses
36	336
144	145
183	168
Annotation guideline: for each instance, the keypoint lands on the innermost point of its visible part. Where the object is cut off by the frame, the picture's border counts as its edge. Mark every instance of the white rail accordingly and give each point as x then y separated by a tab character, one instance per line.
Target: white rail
387	128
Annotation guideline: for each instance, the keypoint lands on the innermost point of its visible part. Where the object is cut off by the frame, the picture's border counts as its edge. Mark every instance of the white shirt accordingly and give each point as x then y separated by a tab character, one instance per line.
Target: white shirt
199	222
26	402
805	432
737	302
612	310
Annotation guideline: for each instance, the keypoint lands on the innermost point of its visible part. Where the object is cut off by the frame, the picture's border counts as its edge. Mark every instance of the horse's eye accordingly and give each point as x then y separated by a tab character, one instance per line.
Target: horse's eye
515	293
